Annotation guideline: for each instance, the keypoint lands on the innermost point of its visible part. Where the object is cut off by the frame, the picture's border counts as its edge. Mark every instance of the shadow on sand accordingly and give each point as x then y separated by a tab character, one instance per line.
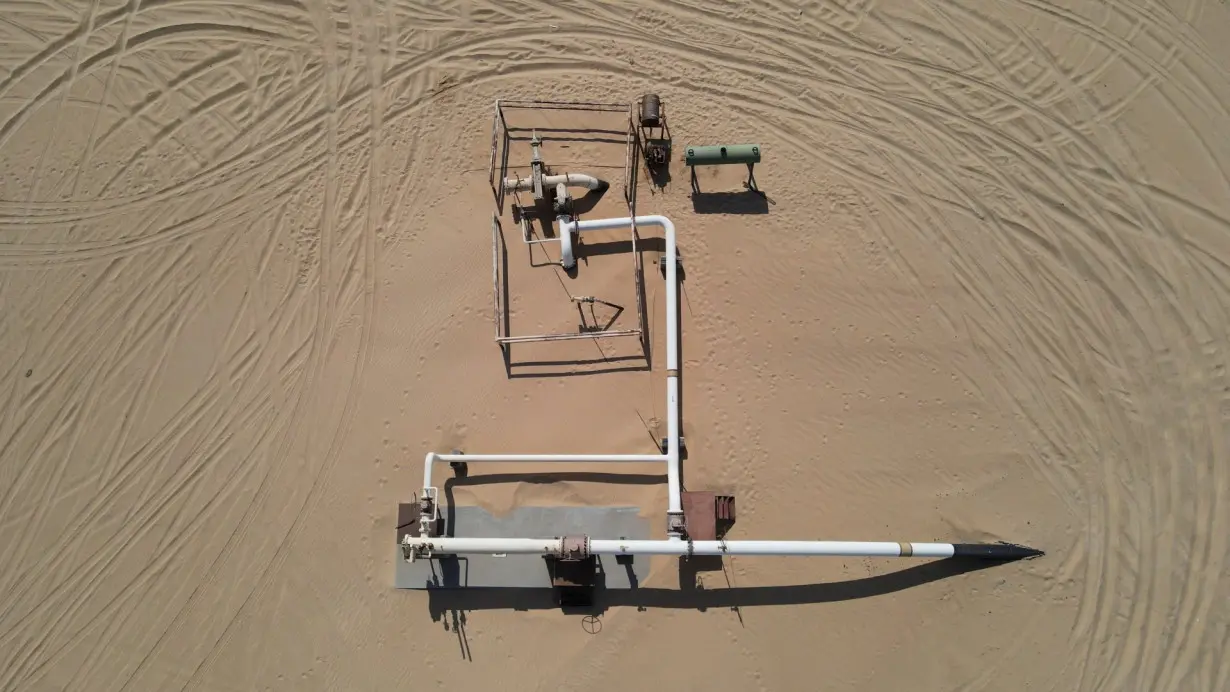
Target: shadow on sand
446	602
742	202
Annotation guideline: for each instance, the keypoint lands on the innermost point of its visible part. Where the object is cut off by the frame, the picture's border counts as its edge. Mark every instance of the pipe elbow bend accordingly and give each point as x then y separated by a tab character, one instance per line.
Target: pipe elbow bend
588	182
567	228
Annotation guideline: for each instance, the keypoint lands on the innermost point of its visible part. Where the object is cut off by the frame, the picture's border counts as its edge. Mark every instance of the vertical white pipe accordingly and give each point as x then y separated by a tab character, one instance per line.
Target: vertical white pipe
427	464
674	487
675	507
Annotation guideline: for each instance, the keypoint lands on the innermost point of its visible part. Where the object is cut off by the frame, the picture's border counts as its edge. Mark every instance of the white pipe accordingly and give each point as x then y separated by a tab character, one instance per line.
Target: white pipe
675	528
568	226
626	458
432	457
484	546
554	546
588	182
817	548
426	545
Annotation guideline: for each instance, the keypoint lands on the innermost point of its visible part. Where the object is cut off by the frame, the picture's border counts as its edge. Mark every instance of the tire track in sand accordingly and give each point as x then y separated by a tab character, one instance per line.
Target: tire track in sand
1112	484
1102	301
83	592
1155	228
368	243
135	588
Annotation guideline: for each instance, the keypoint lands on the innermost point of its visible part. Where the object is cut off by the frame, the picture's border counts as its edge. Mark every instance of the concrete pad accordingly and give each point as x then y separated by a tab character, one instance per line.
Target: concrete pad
521	571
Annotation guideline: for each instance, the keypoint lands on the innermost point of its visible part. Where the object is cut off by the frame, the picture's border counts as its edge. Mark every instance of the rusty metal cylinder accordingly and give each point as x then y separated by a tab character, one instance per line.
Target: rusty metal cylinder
651	111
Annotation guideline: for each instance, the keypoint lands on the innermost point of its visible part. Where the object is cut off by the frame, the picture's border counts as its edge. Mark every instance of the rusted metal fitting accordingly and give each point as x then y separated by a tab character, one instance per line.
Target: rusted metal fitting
574	547
427	515
675	524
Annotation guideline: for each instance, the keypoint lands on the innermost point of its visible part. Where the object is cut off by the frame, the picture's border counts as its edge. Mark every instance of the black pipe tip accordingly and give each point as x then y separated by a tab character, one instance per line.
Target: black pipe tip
995	551
602	186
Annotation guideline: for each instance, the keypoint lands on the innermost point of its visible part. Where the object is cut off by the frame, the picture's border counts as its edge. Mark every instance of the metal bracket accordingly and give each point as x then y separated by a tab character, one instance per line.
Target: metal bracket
662	263
663	444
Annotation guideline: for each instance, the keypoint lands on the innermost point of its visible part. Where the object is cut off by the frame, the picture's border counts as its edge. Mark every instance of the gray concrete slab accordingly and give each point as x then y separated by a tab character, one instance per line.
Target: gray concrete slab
521	571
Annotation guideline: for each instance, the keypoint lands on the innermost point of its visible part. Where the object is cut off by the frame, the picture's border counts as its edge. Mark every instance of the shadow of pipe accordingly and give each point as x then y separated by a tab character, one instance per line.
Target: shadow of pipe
586	202
443	601
617	247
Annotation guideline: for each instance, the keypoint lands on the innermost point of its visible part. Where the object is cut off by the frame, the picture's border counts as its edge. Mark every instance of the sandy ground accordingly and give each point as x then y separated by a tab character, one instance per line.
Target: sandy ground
245	285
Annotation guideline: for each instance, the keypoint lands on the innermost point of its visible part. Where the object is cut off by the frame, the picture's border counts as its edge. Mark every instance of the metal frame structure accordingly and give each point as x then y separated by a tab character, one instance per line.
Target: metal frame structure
500	140
647	138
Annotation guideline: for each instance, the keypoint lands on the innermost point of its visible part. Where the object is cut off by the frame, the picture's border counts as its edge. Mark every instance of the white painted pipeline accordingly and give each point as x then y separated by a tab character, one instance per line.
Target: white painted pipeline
554	546
567	226
674	501
432	457
426	545
588	182
484	546
804	548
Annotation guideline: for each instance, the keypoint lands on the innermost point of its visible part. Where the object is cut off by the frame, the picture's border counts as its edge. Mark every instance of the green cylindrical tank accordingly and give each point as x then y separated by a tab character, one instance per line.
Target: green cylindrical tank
722	153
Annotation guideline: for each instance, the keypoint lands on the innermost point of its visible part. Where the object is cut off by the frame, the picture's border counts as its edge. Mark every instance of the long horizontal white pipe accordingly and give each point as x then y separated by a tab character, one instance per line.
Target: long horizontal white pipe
834	548
432	457
554	546
675	508
588	182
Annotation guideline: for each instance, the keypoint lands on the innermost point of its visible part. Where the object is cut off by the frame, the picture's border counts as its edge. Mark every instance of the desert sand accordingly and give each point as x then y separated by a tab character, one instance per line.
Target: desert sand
245	285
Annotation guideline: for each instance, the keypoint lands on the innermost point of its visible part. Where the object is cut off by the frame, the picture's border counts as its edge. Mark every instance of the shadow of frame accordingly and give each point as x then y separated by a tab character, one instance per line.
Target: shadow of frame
573	367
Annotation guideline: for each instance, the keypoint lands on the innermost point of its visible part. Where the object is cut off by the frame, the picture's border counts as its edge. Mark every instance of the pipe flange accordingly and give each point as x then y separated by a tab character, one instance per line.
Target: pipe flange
574	547
664	444
675	524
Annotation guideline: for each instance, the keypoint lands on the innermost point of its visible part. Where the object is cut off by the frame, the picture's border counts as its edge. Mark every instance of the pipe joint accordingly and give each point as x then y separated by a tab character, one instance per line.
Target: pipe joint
676	527
573	548
429	513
